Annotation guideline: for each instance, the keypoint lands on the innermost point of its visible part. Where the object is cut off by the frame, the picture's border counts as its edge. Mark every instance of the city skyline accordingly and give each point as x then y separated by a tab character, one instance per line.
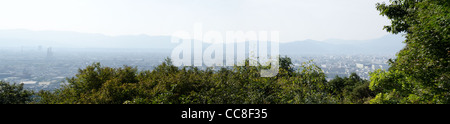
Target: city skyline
37	72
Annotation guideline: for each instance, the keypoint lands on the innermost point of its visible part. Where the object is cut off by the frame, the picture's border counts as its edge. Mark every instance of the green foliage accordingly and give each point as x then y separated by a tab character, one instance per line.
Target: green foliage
286	65
14	94
167	84
351	89
420	73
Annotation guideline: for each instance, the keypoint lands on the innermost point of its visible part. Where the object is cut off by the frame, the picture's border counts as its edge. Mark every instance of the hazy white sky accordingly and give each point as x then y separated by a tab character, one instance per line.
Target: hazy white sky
295	19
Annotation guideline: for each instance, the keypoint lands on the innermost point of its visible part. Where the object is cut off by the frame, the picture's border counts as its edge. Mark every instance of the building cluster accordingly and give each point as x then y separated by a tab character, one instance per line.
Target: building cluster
47	70
344	65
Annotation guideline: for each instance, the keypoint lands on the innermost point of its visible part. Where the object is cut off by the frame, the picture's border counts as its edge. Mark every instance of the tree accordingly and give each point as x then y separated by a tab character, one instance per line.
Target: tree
286	65
14	94
421	72
96	85
167	84
351	89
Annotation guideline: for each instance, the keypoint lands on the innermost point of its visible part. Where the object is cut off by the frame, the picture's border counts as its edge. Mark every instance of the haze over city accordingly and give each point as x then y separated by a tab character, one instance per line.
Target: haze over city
42	42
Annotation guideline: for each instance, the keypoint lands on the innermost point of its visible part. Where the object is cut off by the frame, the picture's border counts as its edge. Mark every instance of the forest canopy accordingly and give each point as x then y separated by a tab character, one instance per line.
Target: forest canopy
420	73
168	84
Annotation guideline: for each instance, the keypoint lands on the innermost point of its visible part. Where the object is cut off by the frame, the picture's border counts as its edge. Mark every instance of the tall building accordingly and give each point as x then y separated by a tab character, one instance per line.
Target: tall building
49	52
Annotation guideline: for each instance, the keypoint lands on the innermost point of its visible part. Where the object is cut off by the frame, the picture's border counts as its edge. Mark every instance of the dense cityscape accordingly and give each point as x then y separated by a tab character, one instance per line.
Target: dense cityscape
344	65
46	69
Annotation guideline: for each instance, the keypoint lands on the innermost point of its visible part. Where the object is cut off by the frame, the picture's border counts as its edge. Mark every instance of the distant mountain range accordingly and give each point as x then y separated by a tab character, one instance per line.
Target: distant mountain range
389	44
14	38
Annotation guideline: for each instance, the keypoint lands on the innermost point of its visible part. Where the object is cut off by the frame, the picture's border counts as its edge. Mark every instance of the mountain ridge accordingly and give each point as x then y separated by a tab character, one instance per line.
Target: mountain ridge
388	44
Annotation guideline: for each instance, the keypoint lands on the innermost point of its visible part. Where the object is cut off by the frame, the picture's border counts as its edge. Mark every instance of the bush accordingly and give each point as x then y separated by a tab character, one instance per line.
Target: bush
14	94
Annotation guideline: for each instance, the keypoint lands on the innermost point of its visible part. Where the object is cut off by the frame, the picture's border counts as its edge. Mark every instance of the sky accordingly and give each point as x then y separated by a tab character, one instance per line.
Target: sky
294	19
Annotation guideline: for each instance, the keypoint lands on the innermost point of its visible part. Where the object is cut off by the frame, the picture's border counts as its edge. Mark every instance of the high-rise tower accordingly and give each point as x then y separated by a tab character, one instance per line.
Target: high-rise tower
49	52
